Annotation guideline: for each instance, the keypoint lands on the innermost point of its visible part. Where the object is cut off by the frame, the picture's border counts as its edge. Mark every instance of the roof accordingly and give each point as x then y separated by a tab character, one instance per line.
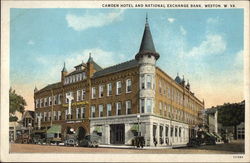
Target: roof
117	68
147	43
50	86
96	66
178	79
29	114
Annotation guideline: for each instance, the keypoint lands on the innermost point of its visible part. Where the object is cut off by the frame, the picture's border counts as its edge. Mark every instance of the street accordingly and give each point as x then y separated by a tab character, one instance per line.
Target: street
230	148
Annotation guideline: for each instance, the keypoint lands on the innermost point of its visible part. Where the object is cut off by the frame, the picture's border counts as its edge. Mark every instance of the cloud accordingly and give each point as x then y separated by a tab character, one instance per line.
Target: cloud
86	21
213	20
30	42
183	31
213	44
171	20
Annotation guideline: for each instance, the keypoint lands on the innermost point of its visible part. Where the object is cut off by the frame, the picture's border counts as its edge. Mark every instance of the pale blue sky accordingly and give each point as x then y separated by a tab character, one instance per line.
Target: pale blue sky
206	46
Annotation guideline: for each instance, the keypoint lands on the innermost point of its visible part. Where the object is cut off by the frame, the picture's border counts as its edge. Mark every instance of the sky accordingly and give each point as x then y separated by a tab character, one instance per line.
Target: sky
206	46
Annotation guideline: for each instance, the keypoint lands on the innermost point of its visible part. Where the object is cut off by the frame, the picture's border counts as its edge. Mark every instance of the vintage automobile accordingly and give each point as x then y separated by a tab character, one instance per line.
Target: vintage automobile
90	141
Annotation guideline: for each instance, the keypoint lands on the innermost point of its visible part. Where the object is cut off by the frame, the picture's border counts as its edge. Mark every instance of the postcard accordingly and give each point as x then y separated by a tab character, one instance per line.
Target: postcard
129	81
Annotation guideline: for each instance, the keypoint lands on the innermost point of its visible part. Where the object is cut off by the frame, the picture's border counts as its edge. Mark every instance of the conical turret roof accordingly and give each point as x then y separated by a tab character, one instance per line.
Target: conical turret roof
64	68
147	43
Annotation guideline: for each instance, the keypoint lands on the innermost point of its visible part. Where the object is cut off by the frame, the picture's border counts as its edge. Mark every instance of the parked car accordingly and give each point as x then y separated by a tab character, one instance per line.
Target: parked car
90	141
70	142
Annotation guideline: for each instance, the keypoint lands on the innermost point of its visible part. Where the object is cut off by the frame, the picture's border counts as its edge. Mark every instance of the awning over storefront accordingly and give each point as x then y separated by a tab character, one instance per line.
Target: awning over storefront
98	129
217	135
54	129
135	127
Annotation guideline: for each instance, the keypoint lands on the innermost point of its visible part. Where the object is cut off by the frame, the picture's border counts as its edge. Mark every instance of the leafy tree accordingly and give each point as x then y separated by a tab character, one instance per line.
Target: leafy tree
17	102
13	119
231	115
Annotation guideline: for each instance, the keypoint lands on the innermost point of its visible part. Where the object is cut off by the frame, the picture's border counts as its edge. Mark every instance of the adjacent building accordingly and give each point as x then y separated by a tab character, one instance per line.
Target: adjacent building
119	102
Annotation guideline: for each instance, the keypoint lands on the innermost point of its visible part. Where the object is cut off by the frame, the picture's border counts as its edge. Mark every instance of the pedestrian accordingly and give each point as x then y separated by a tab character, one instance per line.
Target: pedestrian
155	141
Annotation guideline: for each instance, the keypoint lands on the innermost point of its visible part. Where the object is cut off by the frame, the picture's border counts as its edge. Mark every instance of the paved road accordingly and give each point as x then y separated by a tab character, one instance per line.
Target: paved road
231	148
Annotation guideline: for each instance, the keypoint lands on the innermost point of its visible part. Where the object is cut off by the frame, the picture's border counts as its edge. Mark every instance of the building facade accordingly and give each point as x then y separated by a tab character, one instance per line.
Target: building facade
119	102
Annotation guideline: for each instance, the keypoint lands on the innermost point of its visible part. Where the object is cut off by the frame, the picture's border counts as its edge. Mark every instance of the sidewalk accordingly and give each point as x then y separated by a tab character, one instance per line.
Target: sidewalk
146	147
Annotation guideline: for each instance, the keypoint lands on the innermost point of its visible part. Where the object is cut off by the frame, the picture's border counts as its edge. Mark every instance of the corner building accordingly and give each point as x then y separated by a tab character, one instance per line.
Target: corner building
119	102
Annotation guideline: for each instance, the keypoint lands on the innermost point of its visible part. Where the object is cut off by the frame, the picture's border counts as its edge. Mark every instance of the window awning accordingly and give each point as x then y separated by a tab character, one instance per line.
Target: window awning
135	127
54	129
98	129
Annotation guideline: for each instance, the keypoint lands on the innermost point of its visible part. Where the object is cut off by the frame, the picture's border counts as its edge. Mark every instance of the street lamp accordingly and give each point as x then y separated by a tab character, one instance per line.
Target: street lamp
138	118
29	125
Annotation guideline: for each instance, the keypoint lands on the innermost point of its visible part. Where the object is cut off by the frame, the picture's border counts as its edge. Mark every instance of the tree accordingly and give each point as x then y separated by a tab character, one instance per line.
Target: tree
13	118
17	102
231	115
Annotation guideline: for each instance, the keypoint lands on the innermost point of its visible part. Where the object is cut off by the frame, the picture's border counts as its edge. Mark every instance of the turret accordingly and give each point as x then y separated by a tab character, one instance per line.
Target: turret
90	66
147	48
64	72
35	90
147	57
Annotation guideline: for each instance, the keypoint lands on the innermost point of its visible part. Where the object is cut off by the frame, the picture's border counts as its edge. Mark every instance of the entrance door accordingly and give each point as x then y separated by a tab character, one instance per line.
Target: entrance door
117	134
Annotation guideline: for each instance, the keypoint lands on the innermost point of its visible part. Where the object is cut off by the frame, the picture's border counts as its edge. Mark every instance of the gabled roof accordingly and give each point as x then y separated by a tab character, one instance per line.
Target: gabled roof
28	114
116	68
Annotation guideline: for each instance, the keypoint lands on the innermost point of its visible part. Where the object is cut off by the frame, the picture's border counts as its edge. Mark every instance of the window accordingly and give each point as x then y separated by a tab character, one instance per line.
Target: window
73	80
83	112
175	132
45	116
83	75
128	107
54	115
59	115
142	82
100	110
109	89
118	108
78	95
101	91
149	81
166	131
55	100
41	103
49	116
92	111
59	98
50	101
172	130
66	114
118	87
109	109
93	92
149	105
160	87
128	86
37	103
179	132
83	94
142	105
45	102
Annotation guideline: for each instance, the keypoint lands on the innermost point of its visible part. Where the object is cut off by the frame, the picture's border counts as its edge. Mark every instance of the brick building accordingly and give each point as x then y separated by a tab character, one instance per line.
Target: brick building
120	101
